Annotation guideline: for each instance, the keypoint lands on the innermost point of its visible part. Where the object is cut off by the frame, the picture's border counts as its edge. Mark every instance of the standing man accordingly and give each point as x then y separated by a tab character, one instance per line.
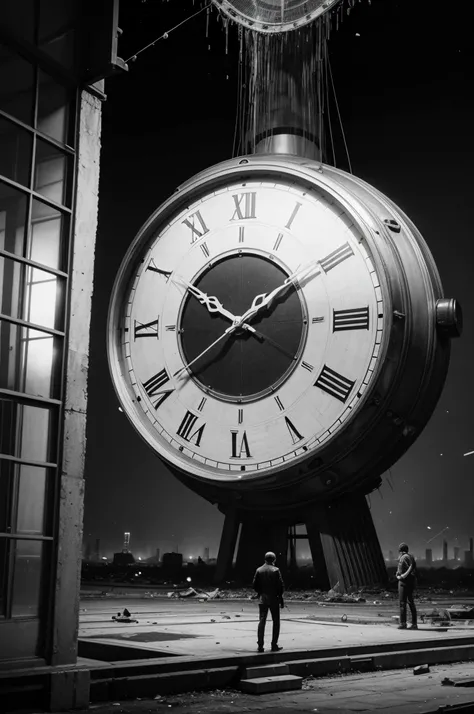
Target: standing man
269	586
406	576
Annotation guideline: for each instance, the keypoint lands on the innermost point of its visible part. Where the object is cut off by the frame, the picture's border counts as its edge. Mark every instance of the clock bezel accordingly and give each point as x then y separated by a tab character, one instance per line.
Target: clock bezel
234	171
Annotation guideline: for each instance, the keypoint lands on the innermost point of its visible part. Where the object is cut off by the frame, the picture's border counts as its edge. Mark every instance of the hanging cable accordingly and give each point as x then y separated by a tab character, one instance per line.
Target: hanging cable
339	116
328	105
165	35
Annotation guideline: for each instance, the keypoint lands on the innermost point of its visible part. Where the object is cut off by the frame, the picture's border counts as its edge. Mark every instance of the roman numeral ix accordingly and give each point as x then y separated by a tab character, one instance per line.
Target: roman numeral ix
145	329
334	384
355	319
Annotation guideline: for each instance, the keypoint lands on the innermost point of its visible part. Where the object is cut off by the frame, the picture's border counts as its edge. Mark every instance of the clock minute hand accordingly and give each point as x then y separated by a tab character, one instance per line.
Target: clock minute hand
230	329
265	299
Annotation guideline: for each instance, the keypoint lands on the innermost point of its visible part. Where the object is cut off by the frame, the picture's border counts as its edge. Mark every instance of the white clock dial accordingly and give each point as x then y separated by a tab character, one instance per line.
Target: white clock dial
252	328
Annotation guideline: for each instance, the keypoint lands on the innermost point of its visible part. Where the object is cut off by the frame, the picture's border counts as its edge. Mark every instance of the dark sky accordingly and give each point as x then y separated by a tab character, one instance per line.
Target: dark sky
405	90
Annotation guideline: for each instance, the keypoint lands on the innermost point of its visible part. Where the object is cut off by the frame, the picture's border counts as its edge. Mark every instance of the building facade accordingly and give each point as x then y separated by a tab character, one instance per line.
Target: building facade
53	57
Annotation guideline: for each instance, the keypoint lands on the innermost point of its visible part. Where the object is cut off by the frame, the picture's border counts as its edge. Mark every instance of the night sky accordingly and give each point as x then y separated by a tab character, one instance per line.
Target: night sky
406	95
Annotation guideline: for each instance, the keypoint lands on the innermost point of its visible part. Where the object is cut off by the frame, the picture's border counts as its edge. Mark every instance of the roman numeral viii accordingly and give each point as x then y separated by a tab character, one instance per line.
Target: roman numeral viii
334	384
185	430
154	388
145	329
355	319
196	224
245	204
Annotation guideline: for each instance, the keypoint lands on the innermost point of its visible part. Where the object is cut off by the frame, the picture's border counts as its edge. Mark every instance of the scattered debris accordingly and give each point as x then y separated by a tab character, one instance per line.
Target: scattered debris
125	616
203	595
422	669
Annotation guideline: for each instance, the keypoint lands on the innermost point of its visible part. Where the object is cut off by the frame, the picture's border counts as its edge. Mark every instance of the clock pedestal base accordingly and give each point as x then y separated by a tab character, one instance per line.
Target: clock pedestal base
342	538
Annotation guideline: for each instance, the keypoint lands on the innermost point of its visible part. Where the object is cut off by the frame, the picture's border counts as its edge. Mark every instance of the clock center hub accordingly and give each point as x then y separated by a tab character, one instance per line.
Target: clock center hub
260	351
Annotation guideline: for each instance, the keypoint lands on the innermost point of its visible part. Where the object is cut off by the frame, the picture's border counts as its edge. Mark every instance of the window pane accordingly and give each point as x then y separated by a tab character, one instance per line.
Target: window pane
4	548
51	172
16	86
47	227
6	495
25	431
27	578
15	152
31	499
13	205
31	294
53	109
32	361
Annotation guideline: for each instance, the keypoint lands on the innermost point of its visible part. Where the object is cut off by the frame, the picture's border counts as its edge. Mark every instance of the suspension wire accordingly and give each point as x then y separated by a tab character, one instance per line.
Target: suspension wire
328	105
339	116
164	36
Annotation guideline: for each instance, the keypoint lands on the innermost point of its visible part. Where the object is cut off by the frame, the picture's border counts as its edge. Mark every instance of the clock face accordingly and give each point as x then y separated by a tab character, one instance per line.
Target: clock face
251	328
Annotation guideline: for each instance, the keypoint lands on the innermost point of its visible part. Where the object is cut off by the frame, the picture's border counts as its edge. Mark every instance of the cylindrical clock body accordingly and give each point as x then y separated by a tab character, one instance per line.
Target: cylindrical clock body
278	333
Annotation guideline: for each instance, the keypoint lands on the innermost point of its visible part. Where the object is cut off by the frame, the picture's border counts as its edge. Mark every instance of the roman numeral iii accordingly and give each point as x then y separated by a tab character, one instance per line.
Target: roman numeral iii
334	384
355	319
245	204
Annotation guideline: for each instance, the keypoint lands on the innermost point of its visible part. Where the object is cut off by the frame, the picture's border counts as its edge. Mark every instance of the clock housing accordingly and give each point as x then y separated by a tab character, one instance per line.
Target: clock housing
326	382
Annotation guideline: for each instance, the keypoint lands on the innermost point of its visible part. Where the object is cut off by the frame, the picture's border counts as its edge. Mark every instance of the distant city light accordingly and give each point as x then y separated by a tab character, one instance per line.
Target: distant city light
139	557
188	579
120	409
104	557
429	527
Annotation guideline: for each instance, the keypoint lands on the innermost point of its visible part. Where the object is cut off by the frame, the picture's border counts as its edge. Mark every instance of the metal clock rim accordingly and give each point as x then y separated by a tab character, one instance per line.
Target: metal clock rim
248	22
233	170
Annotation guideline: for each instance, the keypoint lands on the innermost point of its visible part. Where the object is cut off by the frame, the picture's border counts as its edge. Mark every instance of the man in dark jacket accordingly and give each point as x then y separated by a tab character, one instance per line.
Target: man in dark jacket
406	576
269	586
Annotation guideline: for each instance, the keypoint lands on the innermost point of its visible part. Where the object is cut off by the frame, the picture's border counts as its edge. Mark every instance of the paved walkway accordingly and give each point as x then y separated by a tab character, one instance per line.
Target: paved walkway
393	692
224	628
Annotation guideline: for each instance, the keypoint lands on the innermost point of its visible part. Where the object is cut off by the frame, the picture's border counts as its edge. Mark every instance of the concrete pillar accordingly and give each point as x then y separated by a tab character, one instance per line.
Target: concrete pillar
62	645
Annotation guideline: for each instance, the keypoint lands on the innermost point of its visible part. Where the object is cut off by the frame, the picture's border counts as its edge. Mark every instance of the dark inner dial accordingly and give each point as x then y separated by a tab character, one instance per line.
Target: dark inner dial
242	364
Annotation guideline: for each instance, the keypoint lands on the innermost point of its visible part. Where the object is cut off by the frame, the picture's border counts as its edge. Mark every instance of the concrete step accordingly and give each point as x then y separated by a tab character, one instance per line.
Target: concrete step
266	685
269	670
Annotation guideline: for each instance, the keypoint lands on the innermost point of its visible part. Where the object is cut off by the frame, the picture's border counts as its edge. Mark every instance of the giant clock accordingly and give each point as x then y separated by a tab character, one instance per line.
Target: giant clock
273	325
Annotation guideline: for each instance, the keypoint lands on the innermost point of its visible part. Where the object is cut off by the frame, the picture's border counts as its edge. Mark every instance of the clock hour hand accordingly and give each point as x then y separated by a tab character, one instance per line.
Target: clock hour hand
264	299
211	302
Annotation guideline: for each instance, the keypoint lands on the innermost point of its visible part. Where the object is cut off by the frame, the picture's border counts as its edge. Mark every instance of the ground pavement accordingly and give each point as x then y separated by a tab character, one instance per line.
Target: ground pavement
393	692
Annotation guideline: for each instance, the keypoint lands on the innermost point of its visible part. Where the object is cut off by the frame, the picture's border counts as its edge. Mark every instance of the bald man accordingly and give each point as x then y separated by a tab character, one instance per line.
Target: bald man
269	587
